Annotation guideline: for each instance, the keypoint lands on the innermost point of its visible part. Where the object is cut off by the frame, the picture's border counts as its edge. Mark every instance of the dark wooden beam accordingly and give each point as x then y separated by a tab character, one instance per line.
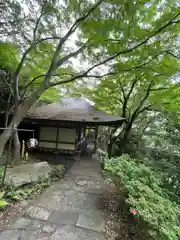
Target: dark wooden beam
55	141
57	134
72	124
96	137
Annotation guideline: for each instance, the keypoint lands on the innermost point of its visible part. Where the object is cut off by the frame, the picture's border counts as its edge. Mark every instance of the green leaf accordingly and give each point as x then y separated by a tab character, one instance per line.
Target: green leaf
3	204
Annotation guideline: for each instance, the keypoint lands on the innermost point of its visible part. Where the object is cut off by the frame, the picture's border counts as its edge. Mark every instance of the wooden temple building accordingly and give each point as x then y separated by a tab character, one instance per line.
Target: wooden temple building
59	127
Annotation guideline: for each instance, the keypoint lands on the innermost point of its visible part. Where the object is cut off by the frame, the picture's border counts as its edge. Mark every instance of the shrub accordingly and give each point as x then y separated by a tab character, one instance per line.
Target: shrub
57	171
1	172
3	203
3	159
144	193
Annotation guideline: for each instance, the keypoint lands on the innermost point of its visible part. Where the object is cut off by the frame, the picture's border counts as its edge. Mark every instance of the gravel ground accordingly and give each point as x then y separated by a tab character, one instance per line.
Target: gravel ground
7	216
118	225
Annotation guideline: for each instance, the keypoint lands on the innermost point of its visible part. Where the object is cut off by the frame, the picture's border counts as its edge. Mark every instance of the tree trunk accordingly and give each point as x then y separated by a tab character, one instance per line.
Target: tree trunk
16	142
19	115
16	147
7	112
123	140
6	118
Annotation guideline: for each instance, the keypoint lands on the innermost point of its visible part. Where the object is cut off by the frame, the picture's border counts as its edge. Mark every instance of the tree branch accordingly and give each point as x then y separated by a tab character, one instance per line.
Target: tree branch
147	94
33	80
66	81
139	44
124	103
72	29
47	38
172	54
18	70
80	75
157	72
149	61
177	21
138	109
23	59
124	107
9	86
126	70
174	86
145	108
132	87
70	55
122	89
159	89
2	100
37	23
85	74
74	26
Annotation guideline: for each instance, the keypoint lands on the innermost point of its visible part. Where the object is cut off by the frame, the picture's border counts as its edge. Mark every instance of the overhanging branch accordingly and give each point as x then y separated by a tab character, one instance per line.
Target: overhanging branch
46	39
76	23
36	26
18	70
126	99
139	108
172	54
24	56
148	107
149	61
141	43
72	29
70	55
75	77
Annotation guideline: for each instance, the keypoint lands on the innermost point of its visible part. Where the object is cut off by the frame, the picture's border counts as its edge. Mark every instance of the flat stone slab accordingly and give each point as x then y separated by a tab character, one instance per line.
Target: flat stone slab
67	200
63	218
78	183
92	220
26	223
74	233
38	213
95	187
24	235
87	169
48	228
9	235
82	183
27	173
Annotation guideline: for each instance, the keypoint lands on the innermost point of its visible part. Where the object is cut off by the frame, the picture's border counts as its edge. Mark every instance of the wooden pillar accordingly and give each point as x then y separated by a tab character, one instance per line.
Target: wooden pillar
79	133
96	136
57	135
84	132
110	143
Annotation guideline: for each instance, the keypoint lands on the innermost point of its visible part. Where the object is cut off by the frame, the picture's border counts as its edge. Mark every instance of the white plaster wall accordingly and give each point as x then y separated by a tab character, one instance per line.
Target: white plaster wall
66	146
48	133
47	144
67	135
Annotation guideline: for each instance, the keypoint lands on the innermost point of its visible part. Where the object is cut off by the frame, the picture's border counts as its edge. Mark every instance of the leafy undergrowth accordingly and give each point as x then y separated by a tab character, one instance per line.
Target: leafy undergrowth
9	194
3	202
144	197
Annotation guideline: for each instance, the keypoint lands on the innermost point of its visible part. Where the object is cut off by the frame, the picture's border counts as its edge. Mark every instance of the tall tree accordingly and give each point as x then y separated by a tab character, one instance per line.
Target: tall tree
139	94
107	32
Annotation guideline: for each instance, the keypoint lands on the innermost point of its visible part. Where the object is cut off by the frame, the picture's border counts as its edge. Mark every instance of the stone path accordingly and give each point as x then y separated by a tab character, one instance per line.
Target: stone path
68	210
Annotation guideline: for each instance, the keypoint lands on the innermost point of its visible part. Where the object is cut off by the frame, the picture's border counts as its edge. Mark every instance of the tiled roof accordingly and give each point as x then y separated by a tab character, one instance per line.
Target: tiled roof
72	113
